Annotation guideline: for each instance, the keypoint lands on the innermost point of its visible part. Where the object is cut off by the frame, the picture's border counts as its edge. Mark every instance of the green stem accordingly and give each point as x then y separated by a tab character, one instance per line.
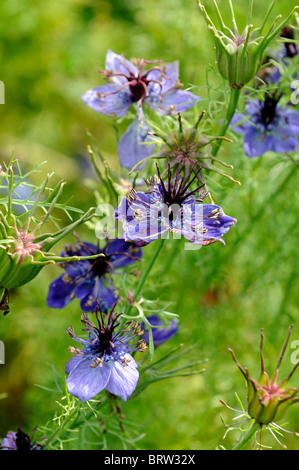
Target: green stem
64	426
243	441
232	106
160	244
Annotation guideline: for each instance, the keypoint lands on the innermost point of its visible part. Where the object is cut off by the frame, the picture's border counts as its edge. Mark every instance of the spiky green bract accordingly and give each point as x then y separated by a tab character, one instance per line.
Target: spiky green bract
24	249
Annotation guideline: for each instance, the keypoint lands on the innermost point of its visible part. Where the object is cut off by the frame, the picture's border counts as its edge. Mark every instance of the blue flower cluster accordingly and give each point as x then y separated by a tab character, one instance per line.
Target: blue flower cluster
170	202
172	205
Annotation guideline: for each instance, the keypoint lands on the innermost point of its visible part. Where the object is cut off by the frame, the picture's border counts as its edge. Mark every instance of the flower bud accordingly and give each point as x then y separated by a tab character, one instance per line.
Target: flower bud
240	56
268	400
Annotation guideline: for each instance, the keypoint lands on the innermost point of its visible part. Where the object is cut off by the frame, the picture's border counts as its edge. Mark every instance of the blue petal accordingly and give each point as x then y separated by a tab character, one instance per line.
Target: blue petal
117	64
102	292
73	362
128	253
9	441
256	142
283	142
204	224
78	268
148	225
80	249
168	79
241	127
84	289
107	99
172	102
123	379
291	120
61	292
132	146
85	382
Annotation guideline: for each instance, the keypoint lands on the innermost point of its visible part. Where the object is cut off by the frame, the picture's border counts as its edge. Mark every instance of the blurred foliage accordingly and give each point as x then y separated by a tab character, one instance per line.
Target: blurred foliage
50	54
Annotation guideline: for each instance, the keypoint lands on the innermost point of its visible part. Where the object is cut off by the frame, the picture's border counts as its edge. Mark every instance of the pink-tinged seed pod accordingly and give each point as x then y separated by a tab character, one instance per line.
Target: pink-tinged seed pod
268	399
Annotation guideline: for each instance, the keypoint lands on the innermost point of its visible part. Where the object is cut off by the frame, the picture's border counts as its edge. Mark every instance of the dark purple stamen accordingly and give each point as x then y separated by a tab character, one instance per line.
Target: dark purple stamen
22	440
268	110
176	191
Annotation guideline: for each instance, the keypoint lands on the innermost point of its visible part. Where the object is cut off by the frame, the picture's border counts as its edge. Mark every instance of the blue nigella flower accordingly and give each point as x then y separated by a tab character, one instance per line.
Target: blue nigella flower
132	82
171	207
105	361
19	441
91	280
163	332
269	127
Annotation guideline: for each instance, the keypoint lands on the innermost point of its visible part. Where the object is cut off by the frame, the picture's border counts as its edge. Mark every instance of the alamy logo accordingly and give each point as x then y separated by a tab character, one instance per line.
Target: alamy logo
2	93
2	353
295	354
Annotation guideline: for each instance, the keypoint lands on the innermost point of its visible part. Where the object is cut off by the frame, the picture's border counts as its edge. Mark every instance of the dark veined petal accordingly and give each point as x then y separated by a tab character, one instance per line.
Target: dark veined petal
204	224
123	379
142	223
141	219
85	382
125	212
108	99
134	144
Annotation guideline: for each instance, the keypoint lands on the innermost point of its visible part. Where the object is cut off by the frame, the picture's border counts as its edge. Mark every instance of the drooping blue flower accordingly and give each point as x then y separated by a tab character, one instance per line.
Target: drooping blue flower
268	127
163	332
19	441
171	207
91	280
132	82
105	361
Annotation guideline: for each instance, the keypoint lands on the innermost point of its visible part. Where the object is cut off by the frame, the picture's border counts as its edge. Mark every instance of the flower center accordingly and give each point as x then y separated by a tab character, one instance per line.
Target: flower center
138	83
101	266
268	110
177	189
107	343
138	86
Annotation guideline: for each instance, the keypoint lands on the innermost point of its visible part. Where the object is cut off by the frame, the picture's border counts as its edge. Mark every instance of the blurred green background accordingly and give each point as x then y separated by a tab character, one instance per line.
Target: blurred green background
50	55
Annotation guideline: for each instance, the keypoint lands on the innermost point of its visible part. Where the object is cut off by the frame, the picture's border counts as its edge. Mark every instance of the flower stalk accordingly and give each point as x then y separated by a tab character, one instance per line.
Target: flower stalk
246	438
